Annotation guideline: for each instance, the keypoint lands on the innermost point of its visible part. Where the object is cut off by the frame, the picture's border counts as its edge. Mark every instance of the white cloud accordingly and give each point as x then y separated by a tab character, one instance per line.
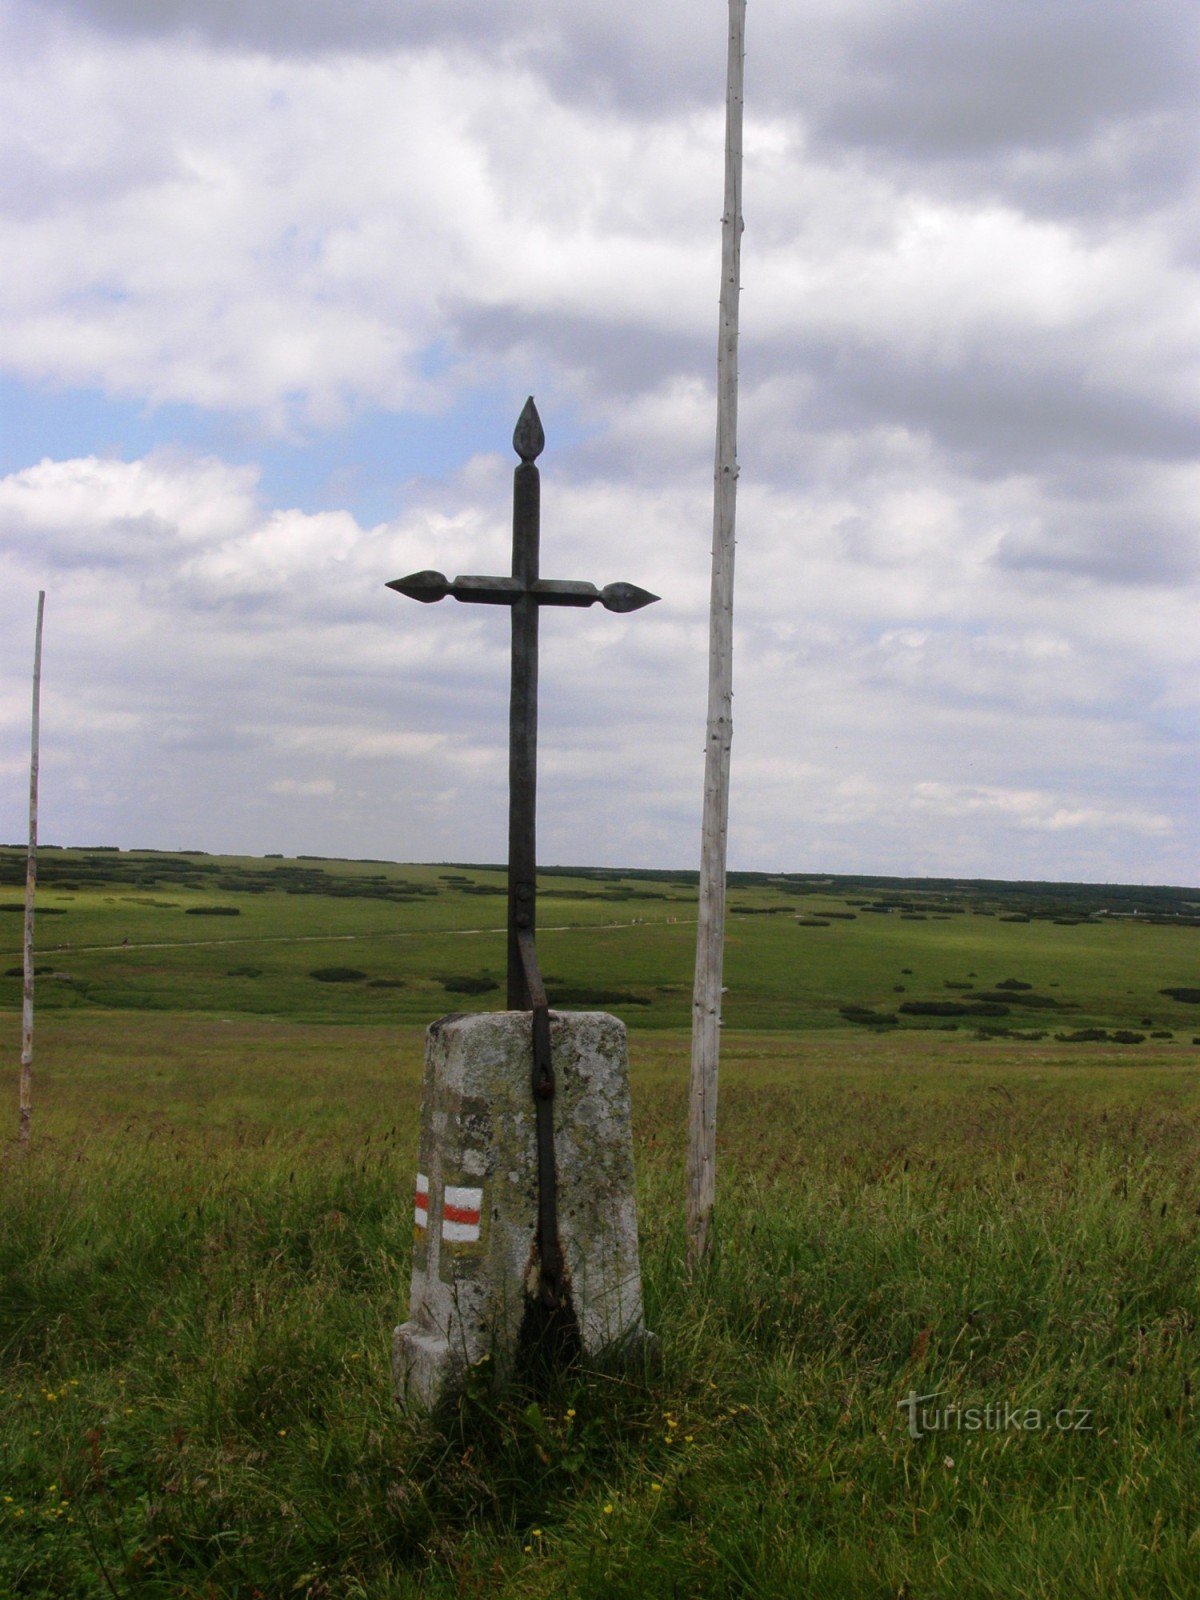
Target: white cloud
292	237
310	786
257	654
1032	808
968	567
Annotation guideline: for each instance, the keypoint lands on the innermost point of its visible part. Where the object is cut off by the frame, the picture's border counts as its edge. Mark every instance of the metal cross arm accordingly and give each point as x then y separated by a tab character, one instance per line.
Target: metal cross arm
430	586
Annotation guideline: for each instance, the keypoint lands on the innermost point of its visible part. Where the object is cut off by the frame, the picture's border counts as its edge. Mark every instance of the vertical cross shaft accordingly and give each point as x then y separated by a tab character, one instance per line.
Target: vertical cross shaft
525	988
522	714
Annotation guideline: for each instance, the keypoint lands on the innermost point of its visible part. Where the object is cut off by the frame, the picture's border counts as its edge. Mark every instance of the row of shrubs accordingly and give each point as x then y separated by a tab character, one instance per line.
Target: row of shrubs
1101	1036
481	983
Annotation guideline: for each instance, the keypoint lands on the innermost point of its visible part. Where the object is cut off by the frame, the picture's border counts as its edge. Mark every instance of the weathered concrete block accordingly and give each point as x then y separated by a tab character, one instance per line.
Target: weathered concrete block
475	1201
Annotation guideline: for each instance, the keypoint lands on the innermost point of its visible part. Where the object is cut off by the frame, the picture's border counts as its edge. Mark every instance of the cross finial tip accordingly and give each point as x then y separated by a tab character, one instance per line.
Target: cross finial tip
528	438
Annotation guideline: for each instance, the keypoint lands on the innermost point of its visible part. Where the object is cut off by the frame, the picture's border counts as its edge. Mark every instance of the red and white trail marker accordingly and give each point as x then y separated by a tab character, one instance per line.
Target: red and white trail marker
461	1211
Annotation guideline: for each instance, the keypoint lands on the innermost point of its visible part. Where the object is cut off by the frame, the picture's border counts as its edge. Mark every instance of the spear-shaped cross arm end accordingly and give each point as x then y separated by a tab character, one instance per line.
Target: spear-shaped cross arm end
425	586
625	597
529	439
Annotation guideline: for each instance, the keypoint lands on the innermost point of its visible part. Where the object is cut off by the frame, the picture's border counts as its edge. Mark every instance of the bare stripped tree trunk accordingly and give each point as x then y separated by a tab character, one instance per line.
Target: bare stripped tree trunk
24	1129
710	933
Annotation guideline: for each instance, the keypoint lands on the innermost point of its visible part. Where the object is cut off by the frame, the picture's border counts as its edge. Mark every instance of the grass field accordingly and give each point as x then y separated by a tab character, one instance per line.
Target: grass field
202	1260
140	932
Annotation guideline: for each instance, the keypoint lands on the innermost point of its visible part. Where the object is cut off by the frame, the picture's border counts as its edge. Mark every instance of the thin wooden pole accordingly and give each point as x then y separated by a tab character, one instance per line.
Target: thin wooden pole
24	1130
710	933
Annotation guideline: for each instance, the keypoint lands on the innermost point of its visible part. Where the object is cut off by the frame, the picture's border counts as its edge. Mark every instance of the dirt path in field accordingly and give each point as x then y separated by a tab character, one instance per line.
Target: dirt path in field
349	938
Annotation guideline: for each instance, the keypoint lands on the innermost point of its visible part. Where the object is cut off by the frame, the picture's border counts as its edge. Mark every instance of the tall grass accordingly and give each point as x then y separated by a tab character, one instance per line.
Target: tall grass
195	1322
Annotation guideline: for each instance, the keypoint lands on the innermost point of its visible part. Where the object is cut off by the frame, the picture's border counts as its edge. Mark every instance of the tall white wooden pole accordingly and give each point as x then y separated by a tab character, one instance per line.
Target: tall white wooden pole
710	935
24	1129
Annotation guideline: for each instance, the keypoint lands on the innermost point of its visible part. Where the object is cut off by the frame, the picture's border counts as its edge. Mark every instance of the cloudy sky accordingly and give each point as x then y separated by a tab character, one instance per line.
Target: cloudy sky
277	275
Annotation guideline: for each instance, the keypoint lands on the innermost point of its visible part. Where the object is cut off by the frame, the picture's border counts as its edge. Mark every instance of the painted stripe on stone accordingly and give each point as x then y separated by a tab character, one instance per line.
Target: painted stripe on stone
461	1210
421	1202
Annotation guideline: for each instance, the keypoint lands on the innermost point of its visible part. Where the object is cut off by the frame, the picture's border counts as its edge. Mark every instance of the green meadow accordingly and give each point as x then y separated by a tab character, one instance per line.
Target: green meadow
958	1160
138	932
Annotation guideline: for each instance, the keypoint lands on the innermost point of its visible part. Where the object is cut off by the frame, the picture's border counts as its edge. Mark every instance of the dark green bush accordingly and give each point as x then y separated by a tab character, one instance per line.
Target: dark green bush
463	985
337	975
1190	997
581	995
1040	1002
953	1008
868	1018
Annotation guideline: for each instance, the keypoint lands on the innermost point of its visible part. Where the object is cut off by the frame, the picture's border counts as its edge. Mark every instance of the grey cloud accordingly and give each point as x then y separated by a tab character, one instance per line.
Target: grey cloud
949	83
143	543
1124	171
921	76
618	357
1069	108
33	185
1143	168
634	56
283	29
971	75
1022	412
1105	544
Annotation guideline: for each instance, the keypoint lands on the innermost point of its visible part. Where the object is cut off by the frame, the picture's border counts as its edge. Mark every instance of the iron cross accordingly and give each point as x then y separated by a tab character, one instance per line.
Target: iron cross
525	591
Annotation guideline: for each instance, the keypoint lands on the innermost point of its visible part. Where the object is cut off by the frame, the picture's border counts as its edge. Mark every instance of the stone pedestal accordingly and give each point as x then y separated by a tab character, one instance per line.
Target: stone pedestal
475	1197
